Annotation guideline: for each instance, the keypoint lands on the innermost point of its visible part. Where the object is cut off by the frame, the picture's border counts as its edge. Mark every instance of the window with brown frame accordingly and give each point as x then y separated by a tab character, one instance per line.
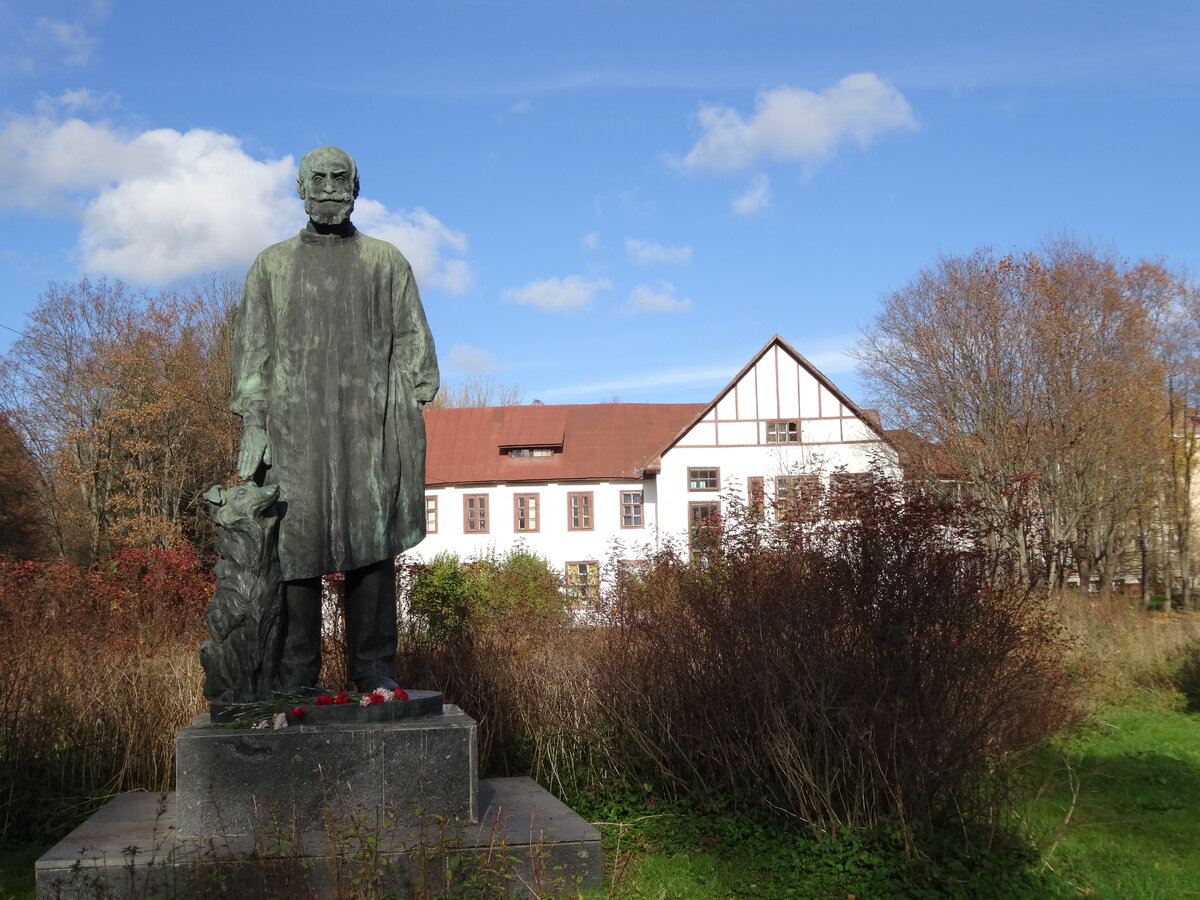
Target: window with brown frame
631	509
579	511
785	432
844	491
704	522
797	497
704	479
583	582
525	512
756	495
430	514
475	513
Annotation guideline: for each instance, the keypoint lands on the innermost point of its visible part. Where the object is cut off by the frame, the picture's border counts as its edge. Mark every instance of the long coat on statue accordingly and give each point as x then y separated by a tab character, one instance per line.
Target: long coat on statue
332	354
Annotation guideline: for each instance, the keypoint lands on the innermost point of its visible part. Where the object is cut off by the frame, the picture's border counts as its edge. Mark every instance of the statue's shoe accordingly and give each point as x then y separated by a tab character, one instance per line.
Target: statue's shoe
367	685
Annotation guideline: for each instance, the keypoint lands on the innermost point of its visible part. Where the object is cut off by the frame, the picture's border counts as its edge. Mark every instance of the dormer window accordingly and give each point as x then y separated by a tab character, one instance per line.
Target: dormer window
529	452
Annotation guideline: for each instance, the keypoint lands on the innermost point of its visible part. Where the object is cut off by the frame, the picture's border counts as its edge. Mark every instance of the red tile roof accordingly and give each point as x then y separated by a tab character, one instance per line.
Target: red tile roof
599	440
918	455
543	430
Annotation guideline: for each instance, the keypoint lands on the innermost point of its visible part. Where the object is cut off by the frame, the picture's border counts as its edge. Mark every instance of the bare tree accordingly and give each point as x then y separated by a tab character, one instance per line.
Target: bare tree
1039	376
1180	350
477	391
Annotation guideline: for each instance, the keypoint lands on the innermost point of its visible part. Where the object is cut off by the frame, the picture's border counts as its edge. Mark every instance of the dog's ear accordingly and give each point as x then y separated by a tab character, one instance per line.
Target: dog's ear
215	495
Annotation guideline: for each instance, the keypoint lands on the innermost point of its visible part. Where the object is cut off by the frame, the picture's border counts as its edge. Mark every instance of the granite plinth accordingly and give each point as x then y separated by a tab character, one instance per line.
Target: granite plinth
525	843
234	781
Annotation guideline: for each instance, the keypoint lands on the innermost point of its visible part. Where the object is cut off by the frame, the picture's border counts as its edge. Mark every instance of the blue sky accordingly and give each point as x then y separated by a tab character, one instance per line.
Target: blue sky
601	198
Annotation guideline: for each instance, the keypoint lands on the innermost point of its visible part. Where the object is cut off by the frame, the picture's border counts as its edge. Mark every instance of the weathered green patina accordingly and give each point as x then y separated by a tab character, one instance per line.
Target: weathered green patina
332	362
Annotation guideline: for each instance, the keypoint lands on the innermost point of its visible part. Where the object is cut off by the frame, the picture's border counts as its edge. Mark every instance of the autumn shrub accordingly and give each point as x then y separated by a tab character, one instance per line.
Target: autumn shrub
1118	648
495	636
877	668
100	667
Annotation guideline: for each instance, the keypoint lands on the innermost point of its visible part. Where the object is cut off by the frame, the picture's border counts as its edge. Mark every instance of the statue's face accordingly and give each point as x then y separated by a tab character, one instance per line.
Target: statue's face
329	189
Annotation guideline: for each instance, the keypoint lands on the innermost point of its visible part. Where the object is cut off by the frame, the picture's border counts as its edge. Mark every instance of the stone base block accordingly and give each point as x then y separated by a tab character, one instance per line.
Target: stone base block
236	781
525	843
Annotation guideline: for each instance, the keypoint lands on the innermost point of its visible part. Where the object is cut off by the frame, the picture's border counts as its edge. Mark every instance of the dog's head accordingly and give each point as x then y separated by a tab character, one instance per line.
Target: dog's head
240	501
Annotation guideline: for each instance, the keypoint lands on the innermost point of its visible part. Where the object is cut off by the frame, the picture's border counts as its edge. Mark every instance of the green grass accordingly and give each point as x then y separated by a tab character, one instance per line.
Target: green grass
1114	810
687	851
1119	811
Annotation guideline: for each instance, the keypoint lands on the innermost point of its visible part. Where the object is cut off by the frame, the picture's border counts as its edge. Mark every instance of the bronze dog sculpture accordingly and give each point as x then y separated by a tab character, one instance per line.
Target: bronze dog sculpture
245	617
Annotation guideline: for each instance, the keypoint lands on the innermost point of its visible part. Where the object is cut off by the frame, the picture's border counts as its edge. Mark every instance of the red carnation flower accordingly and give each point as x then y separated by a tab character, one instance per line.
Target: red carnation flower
298	712
375	697
342	697
325	700
401	695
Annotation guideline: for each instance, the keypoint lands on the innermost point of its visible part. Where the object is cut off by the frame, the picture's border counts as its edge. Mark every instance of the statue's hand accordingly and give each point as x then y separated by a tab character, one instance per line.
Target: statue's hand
255	449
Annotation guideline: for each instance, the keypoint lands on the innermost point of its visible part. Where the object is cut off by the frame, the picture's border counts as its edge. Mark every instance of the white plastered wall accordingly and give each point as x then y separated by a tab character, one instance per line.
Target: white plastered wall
553	540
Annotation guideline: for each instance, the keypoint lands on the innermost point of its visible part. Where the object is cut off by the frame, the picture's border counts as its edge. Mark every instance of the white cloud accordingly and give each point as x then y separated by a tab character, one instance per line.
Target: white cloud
835	361
590	241
645	253
68	40
830	354
826	355
557	295
472	359
454	277
74	101
756	198
199	203
161	205
686	377
794	124
658	299
31	45
520	107
422	238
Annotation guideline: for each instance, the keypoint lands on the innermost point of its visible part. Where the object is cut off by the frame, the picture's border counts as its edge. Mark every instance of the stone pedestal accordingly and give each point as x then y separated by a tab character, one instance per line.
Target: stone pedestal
328	810
525	844
233	781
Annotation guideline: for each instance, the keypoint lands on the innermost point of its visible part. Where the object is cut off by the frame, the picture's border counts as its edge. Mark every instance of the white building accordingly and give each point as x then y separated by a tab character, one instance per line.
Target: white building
580	483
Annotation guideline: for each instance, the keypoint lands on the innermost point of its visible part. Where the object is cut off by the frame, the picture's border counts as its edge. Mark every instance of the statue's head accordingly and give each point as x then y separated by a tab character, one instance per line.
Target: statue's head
328	184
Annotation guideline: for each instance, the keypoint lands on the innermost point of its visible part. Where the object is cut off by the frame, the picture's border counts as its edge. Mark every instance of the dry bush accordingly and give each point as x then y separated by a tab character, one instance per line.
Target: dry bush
854	672
100	668
1117	646
499	643
849	672
528	684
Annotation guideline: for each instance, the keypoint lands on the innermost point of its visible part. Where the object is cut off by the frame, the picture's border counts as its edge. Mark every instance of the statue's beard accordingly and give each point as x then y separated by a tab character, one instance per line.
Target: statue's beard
329	212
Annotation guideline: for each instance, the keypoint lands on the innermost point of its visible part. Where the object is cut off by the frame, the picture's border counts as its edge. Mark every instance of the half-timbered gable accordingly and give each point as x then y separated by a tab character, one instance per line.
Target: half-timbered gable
778	429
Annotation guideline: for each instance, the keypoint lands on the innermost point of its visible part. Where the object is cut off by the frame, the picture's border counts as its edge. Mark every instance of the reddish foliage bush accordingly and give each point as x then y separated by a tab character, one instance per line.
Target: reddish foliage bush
140	591
100	666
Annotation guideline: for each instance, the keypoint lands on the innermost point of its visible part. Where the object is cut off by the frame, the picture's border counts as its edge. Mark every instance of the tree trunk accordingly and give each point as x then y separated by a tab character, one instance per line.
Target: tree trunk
1185	575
